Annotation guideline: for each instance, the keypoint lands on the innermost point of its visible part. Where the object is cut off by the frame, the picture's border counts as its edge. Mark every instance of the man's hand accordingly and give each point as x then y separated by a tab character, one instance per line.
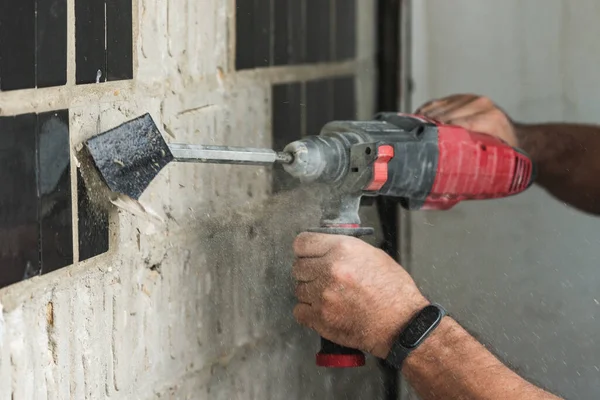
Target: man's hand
472	112
352	293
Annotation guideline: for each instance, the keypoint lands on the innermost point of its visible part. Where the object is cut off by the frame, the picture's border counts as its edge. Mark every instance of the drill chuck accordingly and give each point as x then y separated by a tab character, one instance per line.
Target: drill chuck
322	159
308	163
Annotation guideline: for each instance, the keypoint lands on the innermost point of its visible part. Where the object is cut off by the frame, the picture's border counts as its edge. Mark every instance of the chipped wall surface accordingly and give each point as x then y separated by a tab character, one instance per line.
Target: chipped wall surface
193	299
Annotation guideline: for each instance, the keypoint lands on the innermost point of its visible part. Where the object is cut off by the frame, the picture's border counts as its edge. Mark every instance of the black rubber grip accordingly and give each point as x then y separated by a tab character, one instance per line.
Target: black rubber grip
332	355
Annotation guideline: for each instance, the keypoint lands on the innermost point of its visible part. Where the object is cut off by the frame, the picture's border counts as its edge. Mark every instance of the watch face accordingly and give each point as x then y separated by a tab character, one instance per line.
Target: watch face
420	326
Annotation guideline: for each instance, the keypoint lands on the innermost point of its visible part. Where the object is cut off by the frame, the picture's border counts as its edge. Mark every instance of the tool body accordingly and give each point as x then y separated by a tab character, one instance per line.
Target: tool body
424	164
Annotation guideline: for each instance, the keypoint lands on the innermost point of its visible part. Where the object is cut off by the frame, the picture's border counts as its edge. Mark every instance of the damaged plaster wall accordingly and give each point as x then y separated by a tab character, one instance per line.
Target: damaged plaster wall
194	297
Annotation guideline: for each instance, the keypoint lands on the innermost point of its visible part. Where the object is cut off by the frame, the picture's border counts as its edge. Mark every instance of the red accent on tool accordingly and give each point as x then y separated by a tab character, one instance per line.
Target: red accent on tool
343	226
475	166
380	168
340	360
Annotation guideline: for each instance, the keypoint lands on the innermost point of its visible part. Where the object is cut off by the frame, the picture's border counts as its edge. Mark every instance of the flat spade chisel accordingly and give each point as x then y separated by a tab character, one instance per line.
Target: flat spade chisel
130	156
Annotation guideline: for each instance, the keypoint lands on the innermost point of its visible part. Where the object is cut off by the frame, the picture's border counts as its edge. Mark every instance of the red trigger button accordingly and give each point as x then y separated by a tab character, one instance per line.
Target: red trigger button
380	168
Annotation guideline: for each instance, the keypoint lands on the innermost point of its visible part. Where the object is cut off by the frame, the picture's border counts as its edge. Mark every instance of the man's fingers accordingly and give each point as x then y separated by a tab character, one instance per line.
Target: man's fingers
477	107
434	106
441	112
425	107
444	109
308	269
476	122
309	244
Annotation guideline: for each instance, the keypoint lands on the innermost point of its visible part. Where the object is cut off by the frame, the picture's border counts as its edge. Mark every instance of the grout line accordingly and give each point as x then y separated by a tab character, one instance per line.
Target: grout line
74	196
38	191
231	40
135	29
296	73
58	97
71	82
65	97
71	60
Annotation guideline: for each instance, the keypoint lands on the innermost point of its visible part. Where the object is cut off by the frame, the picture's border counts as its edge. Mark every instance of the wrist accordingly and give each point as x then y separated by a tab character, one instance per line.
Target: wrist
530	141
522	134
399	316
431	346
447	343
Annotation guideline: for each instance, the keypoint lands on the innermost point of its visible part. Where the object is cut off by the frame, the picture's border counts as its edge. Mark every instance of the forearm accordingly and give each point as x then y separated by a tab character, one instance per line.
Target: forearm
451	364
568	161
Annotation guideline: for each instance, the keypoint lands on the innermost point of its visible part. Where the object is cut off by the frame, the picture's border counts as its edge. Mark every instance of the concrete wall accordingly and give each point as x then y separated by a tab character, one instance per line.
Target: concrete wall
521	273
194	298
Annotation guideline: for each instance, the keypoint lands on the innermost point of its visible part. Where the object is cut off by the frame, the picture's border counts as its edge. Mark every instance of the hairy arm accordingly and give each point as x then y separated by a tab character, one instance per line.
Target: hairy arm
357	296
566	155
451	364
568	161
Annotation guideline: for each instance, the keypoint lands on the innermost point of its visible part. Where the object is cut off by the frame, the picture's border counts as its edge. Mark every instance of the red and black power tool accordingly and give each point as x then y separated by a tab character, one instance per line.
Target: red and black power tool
426	165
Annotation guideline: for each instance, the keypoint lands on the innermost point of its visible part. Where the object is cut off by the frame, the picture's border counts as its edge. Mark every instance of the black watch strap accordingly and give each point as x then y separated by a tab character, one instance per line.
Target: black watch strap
415	332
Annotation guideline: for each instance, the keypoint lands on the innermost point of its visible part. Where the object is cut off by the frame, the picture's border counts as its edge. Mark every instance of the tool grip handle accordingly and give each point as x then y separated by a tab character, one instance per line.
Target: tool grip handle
332	355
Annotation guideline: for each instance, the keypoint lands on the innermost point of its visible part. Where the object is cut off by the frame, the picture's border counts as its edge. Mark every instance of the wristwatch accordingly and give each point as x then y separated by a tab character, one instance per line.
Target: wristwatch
415	332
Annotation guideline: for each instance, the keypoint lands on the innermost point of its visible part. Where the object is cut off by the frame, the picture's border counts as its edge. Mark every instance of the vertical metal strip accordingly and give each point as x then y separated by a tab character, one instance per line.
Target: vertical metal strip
389	52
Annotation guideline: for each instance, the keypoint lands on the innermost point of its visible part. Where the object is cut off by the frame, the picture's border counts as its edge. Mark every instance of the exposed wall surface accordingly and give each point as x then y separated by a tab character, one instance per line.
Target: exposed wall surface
193	298
521	273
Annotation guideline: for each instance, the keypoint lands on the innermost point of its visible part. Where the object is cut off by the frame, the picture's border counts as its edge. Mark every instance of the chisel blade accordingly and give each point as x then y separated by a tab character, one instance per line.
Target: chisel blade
131	155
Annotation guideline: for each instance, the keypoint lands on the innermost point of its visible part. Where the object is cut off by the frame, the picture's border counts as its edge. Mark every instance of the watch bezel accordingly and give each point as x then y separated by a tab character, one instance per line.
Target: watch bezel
398	352
418	337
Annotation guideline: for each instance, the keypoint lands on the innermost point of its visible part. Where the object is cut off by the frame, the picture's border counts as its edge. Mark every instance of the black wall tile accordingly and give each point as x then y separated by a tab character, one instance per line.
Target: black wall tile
297	31
318	32
292	32
262	33
51	46
344	98
281	34
345	29
287	113
319	105
17	44
244	33
56	220
119	40
286	126
19	227
36	221
92	224
90	41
